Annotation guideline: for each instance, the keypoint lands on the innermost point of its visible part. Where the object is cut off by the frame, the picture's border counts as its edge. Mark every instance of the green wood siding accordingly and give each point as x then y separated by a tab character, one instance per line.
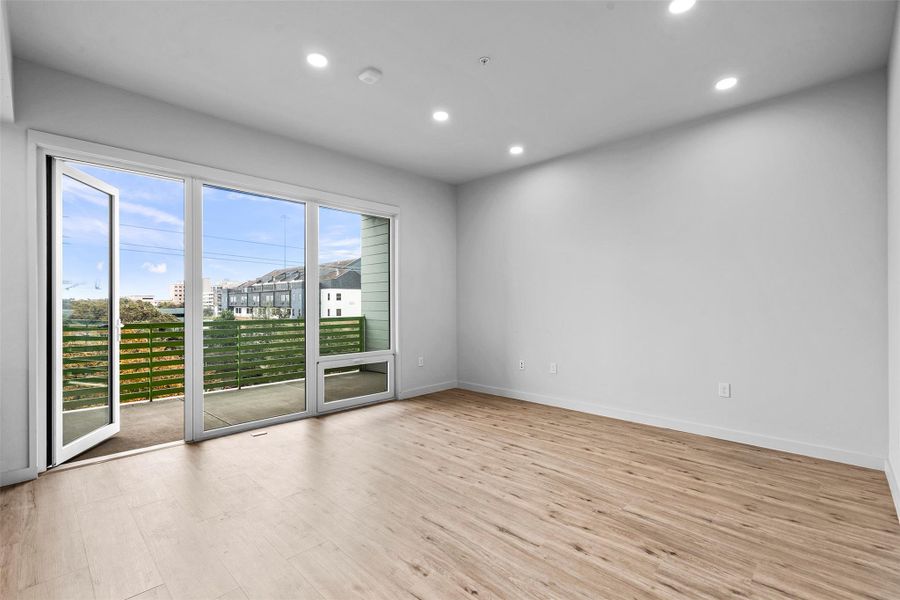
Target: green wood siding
375	277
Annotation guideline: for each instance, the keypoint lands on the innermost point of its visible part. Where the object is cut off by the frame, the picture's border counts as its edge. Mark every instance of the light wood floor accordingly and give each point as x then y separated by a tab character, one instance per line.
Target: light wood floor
453	495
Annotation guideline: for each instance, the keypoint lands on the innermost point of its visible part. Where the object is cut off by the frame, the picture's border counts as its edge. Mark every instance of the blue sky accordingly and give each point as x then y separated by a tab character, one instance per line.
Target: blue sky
244	235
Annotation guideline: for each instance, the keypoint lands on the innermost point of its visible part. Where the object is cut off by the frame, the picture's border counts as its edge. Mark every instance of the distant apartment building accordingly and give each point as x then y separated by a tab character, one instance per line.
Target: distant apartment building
176	291
209	297
280	293
151	298
220	295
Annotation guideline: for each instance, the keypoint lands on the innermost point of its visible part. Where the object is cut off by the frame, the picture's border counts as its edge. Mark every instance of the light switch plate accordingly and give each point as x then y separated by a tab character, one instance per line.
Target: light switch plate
724	390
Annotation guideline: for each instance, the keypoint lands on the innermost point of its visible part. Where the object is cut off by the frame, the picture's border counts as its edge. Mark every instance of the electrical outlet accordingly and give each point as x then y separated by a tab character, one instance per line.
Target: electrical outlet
521	365
421	361
724	390
553	368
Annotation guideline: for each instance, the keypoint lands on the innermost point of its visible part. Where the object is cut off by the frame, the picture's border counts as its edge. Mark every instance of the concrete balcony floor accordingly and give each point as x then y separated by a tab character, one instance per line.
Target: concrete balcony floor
146	424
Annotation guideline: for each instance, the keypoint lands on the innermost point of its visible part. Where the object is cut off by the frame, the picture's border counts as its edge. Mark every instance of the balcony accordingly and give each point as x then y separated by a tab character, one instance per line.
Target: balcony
253	369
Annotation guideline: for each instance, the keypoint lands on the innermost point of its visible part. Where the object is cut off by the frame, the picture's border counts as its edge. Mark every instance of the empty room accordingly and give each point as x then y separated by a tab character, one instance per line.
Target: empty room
591	300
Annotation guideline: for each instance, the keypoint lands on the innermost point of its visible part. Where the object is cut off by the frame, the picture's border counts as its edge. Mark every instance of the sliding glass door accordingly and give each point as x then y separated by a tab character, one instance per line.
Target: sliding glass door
242	307
266	351
253	307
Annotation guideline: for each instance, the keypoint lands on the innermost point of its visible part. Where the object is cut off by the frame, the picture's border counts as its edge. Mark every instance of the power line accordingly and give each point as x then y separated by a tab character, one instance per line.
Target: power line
284	245
273	265
207	254
211	255
206	235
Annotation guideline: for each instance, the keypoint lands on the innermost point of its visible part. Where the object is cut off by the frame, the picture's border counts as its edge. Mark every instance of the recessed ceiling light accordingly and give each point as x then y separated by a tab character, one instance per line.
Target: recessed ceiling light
676	7
726	83
317	60
516	150
440	116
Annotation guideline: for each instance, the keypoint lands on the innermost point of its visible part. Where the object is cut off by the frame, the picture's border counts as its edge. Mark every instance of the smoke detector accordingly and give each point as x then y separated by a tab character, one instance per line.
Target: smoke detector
370	75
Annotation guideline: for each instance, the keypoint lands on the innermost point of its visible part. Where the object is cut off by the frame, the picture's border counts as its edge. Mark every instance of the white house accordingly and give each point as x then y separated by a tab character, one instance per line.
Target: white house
341	302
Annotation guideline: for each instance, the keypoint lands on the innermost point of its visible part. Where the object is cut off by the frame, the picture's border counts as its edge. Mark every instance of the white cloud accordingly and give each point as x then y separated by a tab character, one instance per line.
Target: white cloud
100	266
148	212
158	269
85	230
351	242
97	198
334	248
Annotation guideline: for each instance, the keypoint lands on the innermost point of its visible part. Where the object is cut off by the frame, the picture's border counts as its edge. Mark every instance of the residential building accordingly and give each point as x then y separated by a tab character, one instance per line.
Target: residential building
151	298
340	293
280	293
176	292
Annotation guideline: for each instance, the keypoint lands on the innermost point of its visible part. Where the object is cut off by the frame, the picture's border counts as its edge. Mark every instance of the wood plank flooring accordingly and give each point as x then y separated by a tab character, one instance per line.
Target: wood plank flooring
453	495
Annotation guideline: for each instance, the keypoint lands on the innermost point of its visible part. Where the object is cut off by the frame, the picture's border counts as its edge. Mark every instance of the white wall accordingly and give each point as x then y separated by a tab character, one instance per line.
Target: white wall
55	102
14	300
893	464
749	248
6	91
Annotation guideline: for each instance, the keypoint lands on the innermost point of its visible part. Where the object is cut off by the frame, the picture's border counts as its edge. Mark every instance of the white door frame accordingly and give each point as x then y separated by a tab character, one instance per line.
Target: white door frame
195	227
314	393
42	145
360	358
62	451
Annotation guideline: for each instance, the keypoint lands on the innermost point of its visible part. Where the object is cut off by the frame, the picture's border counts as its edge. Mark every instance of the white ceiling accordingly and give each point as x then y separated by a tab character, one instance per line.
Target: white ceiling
563	76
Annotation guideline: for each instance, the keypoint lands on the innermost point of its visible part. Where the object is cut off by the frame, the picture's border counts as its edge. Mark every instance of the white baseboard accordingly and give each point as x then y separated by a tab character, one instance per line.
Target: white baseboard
894	481
427	389
17	476
732	435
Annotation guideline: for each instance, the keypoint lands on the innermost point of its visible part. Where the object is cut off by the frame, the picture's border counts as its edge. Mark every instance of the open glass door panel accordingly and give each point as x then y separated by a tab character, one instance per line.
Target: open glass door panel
85	262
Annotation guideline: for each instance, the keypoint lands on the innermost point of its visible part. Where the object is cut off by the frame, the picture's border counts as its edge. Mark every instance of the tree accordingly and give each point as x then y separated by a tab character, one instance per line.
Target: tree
225	315
89	310
130	311
170	304
138	311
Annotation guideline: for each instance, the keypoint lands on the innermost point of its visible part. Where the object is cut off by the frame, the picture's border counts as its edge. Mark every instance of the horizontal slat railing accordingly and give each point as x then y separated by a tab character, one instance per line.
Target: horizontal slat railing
236	354
85	364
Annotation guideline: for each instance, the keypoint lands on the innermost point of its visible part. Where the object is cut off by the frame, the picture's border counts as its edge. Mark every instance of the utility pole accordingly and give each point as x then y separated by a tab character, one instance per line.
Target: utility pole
284	242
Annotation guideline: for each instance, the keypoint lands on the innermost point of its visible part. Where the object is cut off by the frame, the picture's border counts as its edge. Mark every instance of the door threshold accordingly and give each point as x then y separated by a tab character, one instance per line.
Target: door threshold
102	459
